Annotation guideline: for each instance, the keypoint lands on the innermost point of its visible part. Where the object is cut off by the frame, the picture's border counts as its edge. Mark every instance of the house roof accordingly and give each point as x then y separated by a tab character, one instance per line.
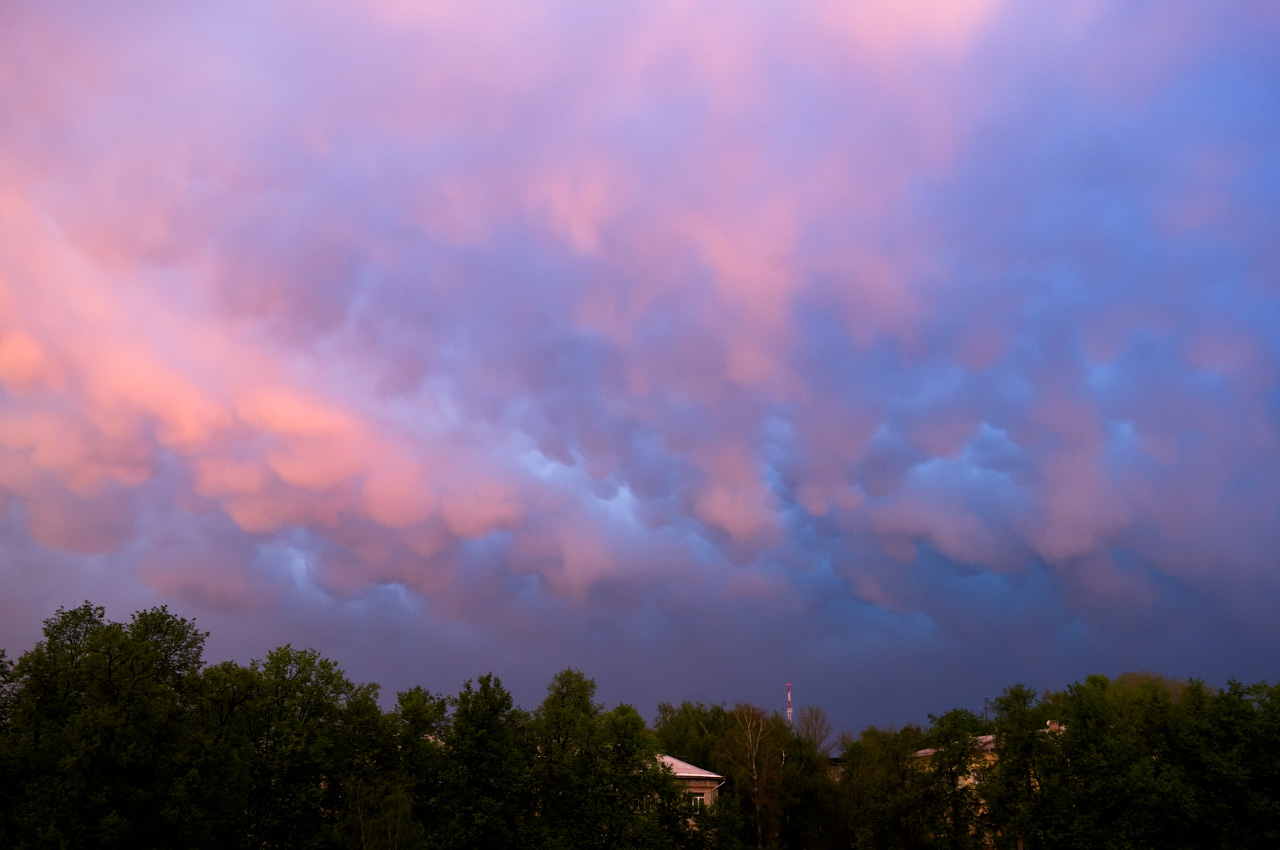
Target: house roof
684	770
985	743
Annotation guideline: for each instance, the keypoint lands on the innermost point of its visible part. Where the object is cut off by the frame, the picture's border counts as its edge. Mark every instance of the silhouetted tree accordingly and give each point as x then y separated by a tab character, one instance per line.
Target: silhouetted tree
597	778
694	733
755	748
420	721
809	801
1011	789
956	770
118	734
813	725
299	736
485	793
99	743
882	789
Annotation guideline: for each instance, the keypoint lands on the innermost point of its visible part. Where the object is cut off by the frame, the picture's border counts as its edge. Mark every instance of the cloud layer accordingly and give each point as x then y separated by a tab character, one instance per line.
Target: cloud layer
700	342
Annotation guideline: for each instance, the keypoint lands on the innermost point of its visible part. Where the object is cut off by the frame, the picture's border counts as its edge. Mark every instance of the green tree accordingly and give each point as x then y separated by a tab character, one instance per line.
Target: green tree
755	749
719	826
485	790
809	799
299	736
597	778
8	779
882	789
566	739
1011	788
956	767
220	782
1260	816
420	721
101	739
1097	784
377	792
694	733
644	805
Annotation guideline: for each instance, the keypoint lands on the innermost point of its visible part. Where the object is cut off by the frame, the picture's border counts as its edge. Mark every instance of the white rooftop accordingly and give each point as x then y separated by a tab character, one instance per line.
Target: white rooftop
684	770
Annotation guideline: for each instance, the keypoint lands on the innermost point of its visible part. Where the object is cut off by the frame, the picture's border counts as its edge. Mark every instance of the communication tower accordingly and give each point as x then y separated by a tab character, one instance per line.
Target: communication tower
788	705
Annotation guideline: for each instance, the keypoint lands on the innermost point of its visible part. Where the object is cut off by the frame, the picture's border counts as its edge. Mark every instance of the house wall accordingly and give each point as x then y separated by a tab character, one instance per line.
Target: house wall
706	788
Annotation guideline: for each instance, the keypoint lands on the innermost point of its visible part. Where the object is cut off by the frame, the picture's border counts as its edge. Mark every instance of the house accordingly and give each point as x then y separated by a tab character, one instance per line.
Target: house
984	747
981	743
702	784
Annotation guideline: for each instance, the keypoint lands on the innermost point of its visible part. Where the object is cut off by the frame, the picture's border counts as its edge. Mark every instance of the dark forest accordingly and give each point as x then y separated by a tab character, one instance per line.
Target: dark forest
121	735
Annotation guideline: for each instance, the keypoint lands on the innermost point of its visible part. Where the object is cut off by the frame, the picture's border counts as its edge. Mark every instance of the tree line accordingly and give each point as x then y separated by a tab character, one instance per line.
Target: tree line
121	735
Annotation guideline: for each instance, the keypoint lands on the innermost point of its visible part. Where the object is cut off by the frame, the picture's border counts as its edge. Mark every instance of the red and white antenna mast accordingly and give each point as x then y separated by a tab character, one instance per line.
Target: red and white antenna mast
788	705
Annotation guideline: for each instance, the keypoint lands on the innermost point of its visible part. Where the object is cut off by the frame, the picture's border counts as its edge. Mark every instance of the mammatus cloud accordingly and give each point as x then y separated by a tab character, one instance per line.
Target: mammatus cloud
555	312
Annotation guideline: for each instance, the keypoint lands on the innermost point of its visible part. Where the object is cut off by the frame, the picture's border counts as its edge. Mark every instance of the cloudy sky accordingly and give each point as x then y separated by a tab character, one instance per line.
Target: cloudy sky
897	350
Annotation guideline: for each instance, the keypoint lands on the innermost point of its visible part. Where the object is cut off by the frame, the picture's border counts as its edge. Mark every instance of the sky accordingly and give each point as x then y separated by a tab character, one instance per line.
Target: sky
899	351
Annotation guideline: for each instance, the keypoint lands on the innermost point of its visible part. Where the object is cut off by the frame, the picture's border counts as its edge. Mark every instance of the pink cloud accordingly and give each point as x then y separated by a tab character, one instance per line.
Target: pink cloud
473	299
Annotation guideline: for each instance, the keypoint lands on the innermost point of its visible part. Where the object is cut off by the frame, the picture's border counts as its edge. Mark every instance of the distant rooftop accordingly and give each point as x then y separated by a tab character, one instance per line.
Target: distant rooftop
684	770
985	743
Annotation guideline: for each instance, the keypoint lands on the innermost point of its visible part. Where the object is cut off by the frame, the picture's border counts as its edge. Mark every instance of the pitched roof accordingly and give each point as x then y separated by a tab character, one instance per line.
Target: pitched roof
684	770
985	743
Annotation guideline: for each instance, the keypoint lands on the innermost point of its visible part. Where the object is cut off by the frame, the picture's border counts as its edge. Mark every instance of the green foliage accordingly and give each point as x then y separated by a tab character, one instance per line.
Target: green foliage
98	739
118	734
486	789
8	764
956	768
299	734
719	827
224	706
755	749
778	788
566	741
809	801
597	778
374	808
1023	745
1175	688
883	789
642	805
692	733
419	722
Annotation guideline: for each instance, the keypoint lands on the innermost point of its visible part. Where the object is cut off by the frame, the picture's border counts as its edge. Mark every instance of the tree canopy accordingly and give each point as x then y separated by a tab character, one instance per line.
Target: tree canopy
121	735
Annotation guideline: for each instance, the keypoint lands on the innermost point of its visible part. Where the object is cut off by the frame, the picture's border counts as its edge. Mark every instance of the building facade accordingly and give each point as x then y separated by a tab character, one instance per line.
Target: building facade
701	784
